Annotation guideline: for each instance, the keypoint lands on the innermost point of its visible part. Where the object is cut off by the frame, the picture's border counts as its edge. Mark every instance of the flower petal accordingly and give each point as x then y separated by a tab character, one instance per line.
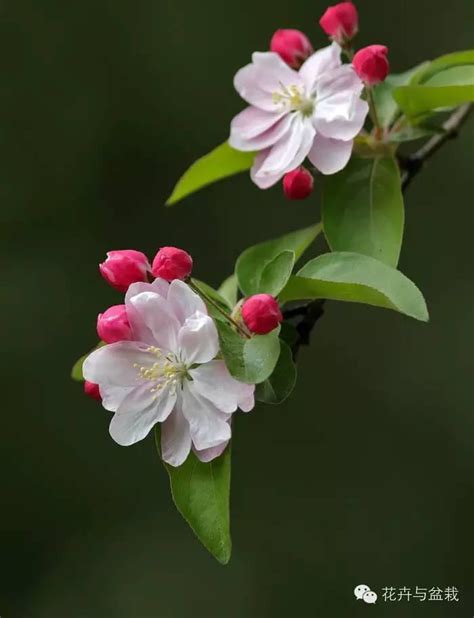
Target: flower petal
209	454
140	331
208	425
342	82
112	395
134	423
116	363
263	181
343	128
198	341
146	396
175	437
183	301
330	155
257	81
266	138
214	382
322	61
153	314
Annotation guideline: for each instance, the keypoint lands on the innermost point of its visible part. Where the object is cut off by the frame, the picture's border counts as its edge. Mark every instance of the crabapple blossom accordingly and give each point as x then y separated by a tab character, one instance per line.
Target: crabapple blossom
172	263
124	267
292	46
261	313
340	22
315	112
113	324
169	374
371	64
298	184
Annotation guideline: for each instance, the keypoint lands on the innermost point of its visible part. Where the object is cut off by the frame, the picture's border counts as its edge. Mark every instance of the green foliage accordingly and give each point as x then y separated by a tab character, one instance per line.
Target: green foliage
222	162
387	108
276	273
201	493
448	61
214	295
357	278
252	263
228	290
249	360
282	381
415	100
363	209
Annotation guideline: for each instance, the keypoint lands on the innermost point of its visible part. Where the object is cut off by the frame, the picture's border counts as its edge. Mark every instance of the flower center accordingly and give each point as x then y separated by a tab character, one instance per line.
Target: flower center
166	371
293	99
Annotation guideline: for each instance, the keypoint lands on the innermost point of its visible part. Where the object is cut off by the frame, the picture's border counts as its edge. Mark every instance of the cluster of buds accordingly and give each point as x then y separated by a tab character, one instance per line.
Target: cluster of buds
341	23
260	313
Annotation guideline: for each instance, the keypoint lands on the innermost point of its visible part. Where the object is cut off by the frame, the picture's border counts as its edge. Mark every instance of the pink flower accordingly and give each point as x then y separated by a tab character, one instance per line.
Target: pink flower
122	268
113	325
92	390
298	184
314	113
172	263
292	46
371	64
340	22
168	373
261	314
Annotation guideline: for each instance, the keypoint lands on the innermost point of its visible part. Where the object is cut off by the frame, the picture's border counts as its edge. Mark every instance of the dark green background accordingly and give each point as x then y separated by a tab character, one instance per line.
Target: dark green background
364	476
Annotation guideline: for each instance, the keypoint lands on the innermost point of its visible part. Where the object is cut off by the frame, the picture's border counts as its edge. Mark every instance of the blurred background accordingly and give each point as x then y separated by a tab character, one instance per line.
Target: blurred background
364	476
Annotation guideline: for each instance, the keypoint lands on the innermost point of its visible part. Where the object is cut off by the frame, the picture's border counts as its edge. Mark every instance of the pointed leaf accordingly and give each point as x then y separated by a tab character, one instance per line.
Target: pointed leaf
282	381
414	100
222	162
276	273
228	290
448	61
252	262
363	209
201	493
356	278
249	360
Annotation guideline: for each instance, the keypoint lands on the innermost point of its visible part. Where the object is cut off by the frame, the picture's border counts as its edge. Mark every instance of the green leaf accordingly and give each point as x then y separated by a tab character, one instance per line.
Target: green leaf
363	209
448	61
76	372
222	162
415	100
387	108
282	381
228	290
456	76
252	262
249	360
213	295
356	278
276	273
201	493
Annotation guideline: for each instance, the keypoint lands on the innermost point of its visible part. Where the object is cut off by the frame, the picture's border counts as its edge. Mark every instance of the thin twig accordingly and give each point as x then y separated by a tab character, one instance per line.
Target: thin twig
305	317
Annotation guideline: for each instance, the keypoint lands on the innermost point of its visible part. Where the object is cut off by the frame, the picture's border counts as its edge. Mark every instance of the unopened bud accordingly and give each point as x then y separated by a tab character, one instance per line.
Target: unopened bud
113	325
172	263
298	184
92	390
340	22
122	268
292	46
371	64
261	314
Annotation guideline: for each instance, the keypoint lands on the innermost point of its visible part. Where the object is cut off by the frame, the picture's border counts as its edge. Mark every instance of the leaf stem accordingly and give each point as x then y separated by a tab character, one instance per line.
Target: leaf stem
373	113
208	299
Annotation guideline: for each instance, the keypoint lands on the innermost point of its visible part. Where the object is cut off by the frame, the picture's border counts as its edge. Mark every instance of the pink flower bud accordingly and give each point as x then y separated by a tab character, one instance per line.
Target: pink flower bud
92	390
172	263
122	268
113	325
261	313
340	22
371	64
298	184
292	46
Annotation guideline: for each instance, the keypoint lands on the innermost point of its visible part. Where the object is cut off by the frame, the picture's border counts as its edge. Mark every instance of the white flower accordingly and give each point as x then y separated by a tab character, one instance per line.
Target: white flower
167	374
315	112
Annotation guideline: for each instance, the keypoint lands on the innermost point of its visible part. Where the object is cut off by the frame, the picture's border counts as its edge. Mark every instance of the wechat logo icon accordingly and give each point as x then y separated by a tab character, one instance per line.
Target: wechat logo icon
364	593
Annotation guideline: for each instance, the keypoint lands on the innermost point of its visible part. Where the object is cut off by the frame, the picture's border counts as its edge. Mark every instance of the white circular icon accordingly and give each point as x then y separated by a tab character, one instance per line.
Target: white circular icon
360	590
369	597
